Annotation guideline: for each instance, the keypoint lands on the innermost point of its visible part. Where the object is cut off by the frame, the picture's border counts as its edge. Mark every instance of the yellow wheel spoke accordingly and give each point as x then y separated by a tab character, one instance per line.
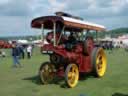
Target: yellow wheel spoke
46	73
73	69
69	74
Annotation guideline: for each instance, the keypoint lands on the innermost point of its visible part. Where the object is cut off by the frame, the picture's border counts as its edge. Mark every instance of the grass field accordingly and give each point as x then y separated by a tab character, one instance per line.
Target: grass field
24	81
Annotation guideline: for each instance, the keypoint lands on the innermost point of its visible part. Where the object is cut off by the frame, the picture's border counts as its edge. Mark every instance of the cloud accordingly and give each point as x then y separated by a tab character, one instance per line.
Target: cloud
97	8
47	7
56	6
16	8
4	2
16	15
17	25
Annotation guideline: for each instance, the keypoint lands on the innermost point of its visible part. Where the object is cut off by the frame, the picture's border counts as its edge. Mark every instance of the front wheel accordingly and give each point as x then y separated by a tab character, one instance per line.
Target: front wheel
99	62
72	75
47	72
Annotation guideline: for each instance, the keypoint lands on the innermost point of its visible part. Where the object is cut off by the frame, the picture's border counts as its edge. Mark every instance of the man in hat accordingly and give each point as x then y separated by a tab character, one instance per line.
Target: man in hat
15	55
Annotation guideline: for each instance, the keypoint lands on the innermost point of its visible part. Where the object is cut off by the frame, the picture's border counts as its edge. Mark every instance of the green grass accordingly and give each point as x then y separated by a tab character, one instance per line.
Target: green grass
24	81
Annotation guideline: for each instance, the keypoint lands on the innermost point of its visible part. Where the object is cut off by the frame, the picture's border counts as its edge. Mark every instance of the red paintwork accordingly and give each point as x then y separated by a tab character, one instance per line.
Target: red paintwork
75	55
4	44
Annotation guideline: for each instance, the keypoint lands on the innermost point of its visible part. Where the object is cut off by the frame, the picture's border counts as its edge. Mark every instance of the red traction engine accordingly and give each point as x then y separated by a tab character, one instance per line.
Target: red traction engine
71	48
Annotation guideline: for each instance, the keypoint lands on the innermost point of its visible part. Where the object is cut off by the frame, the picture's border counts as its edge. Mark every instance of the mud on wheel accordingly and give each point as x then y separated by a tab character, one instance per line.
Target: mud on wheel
72	75
47	72
99	62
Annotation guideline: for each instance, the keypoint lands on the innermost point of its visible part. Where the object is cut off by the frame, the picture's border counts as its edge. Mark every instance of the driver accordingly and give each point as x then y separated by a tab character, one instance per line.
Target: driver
50	37
72	38
71	41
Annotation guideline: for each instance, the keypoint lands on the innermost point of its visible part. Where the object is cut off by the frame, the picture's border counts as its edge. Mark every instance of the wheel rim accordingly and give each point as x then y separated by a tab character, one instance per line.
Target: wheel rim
101	63
73	75
47	73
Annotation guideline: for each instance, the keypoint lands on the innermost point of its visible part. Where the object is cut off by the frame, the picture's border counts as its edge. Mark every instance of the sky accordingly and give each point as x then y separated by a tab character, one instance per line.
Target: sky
16	15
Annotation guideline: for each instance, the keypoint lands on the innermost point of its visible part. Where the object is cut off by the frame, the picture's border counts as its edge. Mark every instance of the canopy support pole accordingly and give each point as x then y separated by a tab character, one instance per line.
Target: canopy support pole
54	32
96	36
87	34
42	34
61	35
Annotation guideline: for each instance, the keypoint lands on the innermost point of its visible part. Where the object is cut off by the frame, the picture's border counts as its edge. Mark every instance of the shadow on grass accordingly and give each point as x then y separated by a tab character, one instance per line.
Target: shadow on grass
33	79
58	80
119	94
85	76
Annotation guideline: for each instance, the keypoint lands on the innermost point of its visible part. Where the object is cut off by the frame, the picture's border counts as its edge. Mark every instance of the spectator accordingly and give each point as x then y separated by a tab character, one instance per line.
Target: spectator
0	53
21	49
3	54
15	55
29	51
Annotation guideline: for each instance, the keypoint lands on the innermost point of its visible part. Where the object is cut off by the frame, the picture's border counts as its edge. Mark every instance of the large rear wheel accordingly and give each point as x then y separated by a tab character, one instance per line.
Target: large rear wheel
72	75
47	72
99	62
